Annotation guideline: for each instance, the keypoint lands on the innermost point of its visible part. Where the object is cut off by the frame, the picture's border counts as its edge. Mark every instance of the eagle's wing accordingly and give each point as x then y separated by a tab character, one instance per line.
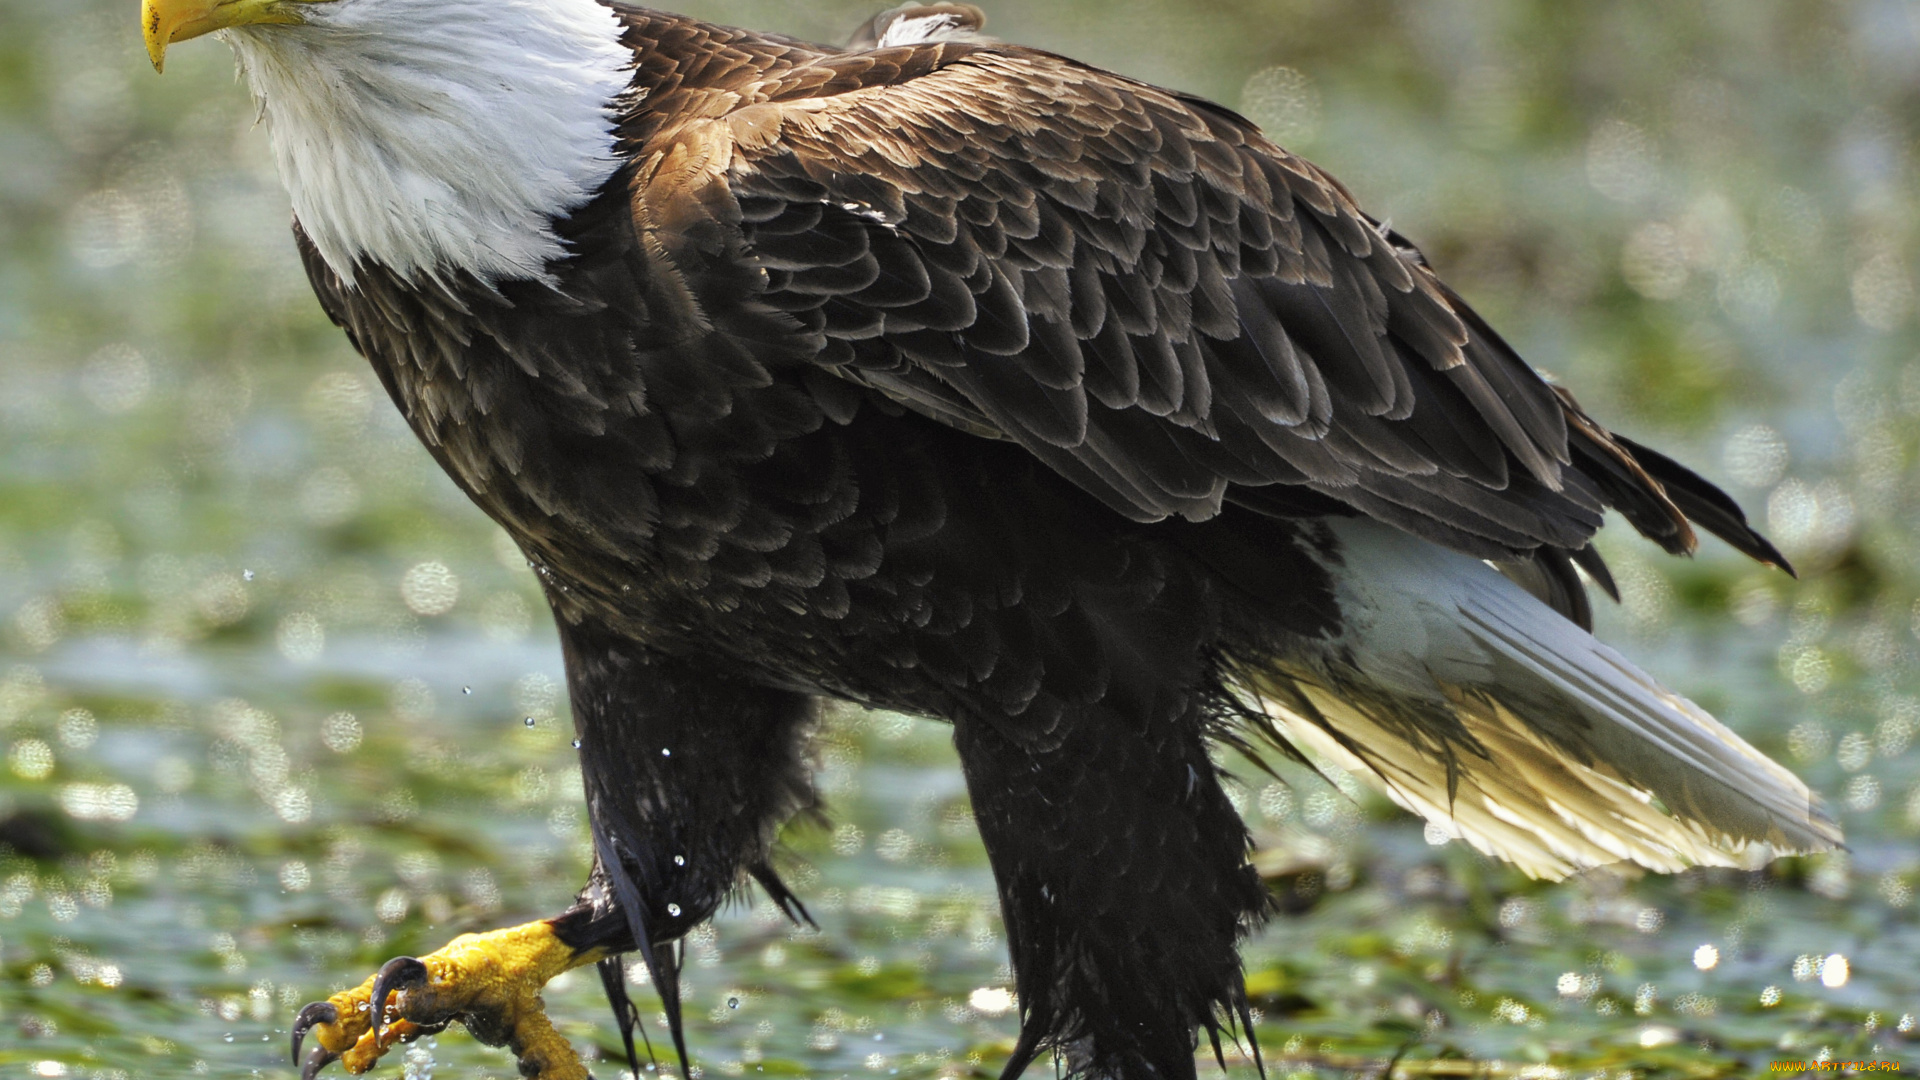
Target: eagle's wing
1143	291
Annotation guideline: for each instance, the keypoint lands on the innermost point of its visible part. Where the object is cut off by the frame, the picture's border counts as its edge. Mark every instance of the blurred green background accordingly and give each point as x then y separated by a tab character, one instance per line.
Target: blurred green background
276	704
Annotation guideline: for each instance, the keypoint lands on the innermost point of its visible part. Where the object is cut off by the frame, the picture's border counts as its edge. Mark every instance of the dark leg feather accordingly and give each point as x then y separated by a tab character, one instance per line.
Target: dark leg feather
689	774
1124	883
782	897
613	979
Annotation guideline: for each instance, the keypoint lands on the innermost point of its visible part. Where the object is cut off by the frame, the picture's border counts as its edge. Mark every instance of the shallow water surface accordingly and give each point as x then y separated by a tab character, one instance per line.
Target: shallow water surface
276	704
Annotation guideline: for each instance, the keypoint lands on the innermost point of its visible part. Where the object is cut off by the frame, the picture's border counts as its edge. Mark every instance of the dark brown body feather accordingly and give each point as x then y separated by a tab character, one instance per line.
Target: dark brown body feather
968	380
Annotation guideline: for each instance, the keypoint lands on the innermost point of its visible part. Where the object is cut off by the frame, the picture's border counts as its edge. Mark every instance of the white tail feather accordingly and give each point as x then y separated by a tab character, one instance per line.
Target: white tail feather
1472	704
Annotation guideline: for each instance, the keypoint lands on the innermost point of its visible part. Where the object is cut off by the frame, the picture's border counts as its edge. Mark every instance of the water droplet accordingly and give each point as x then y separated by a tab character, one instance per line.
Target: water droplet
673	909
664	752
466	689
1834	972
576	744
679	860
529	721
733	1003
246	575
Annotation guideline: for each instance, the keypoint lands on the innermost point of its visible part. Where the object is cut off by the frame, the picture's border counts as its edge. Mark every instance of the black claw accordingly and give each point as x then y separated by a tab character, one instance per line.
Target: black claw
318	1012
319	1059
399	973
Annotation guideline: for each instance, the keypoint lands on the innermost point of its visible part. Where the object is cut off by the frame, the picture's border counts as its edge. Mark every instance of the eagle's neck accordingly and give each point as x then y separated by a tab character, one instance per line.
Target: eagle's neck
429	145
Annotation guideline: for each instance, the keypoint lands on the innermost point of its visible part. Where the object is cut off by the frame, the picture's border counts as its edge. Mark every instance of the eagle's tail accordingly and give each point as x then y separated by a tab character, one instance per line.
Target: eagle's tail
1474	705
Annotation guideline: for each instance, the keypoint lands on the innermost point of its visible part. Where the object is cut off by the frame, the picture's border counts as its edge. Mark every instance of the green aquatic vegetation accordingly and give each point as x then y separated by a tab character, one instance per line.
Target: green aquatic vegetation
265	678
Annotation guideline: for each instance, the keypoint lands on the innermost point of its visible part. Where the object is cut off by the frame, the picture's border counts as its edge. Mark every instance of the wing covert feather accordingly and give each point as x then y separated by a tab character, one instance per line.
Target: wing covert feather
1149	295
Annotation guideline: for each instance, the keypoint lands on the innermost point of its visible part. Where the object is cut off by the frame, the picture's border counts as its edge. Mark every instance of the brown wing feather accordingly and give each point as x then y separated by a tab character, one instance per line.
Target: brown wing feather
1139	288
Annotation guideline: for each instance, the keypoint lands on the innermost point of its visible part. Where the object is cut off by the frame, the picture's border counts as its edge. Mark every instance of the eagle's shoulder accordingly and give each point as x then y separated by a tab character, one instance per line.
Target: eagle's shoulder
1134	284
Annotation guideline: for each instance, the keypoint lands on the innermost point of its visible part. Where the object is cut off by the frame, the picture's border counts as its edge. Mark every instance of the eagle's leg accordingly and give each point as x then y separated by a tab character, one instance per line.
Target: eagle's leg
1125	887
690	769
689	772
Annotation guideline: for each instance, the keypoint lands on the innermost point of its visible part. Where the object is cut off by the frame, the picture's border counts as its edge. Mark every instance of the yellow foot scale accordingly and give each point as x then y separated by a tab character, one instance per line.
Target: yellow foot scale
488	982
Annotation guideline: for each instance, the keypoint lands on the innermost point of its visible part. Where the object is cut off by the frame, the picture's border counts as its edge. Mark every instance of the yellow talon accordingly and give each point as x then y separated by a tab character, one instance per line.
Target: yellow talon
489	982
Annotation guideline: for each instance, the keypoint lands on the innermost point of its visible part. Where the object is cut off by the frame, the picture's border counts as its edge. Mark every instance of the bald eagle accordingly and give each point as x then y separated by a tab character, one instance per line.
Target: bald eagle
952	377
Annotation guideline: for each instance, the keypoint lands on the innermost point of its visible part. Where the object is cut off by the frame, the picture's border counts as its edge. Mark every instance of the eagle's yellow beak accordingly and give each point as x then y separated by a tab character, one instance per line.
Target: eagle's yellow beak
163	22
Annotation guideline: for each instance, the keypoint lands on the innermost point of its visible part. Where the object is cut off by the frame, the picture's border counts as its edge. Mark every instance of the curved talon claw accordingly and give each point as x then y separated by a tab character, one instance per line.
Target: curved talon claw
317	1012
319	1059
399	973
